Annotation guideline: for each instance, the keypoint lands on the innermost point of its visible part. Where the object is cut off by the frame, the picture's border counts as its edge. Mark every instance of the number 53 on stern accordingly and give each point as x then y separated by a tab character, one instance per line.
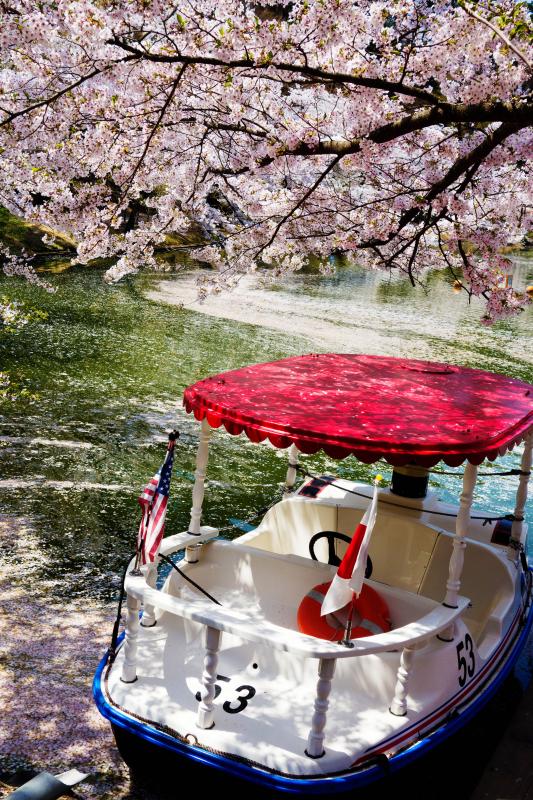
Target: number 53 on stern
354	624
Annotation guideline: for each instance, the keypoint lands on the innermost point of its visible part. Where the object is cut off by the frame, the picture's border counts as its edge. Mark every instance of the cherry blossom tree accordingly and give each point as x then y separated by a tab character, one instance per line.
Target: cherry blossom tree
397	132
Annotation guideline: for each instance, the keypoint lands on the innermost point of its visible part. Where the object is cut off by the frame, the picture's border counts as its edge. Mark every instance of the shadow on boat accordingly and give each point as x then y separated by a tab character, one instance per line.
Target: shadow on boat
451	769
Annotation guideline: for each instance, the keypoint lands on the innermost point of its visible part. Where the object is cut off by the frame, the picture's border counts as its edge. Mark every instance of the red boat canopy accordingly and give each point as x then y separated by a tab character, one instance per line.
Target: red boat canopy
372	407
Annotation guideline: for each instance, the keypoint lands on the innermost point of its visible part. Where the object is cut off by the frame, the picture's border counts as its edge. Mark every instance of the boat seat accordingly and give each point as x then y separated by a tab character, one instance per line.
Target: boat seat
288	526
400	547
491	596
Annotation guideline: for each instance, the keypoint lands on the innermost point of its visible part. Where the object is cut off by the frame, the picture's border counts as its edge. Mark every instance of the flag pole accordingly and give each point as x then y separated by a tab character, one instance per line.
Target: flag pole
347	582
346	640
136	567
136	571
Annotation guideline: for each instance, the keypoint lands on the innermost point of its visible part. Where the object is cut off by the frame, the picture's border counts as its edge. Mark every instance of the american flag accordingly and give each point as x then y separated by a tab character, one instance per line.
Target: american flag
154	500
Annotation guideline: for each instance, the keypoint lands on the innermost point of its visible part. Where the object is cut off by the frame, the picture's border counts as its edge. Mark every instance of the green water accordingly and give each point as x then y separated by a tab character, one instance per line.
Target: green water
97	385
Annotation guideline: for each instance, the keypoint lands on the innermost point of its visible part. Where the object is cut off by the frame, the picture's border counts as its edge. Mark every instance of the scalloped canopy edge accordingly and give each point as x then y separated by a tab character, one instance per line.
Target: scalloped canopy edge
400	410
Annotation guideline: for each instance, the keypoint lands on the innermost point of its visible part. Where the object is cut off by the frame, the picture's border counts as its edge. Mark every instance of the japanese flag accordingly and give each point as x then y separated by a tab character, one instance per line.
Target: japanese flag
348	580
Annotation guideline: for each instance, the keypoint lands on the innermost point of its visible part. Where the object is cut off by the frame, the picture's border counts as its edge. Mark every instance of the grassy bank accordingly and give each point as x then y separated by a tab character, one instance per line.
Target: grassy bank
18	235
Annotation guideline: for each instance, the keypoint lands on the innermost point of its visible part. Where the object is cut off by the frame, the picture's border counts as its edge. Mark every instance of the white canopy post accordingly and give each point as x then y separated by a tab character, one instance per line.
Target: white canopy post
148	619
290	480
458	552
398	707
521	497
199	478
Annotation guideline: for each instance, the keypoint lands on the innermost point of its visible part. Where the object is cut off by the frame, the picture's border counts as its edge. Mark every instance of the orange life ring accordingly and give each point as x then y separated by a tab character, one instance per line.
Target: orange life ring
371	615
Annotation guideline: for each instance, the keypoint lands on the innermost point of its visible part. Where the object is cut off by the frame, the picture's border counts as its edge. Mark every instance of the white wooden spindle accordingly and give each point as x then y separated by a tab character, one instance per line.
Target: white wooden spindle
398	706
457	559
521	497
461	530
290	479
129	667
315	741
209	676
148	619
199	477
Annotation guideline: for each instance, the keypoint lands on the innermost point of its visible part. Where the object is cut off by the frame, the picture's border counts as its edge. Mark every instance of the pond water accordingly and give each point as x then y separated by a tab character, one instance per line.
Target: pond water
96	386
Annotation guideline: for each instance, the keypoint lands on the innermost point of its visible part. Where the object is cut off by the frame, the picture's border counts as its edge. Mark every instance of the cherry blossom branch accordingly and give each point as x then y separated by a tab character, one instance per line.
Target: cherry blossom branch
396	87
472	159
461	165
519	114
300	202
500	34
49	100
466	266
158	121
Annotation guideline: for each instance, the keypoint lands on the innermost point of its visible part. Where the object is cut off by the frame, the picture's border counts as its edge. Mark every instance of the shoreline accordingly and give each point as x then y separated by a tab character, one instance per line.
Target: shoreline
321	328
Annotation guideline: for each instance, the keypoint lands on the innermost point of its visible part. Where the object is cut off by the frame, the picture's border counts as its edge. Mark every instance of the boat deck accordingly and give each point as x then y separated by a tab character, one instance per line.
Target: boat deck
265	700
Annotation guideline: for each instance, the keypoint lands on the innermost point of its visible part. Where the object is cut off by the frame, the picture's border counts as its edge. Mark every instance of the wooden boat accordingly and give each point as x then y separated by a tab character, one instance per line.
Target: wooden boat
239	686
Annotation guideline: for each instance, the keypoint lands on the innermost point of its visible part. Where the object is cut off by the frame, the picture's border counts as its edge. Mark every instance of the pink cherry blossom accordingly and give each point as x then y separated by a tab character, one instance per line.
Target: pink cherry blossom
400	132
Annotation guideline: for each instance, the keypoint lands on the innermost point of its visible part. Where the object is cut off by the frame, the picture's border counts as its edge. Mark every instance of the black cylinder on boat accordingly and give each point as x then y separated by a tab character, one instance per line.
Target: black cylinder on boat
410	481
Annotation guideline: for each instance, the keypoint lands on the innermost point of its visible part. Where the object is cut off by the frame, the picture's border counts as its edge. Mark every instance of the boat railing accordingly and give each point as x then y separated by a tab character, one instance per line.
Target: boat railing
255	628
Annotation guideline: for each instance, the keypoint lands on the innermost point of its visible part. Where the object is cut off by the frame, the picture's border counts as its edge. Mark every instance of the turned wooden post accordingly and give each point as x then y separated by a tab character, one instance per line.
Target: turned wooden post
290	480
458	552
315	741
148	619
521	496
199	478
209	676
398	706
129	667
